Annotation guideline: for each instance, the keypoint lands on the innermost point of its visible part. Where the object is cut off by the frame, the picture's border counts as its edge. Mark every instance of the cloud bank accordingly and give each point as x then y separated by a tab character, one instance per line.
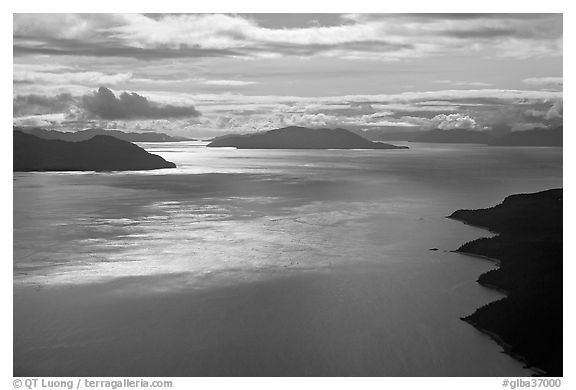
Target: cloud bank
480	110
104	104
256	72
101	104
383	37
40	105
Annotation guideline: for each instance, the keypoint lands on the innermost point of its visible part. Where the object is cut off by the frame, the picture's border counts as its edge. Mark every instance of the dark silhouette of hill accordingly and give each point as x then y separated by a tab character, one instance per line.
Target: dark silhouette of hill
535	137
528	322
100	153
454	136
84	135
295	137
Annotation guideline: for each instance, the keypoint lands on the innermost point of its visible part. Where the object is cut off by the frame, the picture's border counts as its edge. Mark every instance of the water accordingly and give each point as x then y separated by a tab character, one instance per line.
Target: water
254	262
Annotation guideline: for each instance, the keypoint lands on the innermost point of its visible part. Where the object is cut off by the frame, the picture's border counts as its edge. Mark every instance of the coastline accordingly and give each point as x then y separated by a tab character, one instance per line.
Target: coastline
492	260
506	347
528	253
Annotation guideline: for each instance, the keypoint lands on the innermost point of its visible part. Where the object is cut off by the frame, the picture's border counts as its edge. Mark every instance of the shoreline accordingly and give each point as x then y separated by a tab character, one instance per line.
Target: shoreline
527	250
506	347
497	262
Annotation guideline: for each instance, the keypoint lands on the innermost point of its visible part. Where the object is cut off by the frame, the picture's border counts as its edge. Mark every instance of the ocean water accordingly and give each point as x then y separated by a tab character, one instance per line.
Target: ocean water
263	262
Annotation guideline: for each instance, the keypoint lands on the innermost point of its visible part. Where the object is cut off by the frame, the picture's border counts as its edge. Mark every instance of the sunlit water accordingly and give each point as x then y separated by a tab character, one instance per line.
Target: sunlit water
255	262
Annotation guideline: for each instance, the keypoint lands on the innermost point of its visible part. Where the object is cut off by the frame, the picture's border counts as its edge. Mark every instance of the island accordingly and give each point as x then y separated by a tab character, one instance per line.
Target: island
100	153
84	135
295	137
500	136
534	137
527	323
454	136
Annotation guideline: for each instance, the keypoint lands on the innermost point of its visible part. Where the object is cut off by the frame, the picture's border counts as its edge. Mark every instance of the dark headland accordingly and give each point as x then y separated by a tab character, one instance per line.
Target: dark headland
85	135
100	153
528	322
295	137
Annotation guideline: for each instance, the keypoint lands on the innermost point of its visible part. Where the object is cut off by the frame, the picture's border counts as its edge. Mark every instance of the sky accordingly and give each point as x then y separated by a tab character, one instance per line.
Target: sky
203	75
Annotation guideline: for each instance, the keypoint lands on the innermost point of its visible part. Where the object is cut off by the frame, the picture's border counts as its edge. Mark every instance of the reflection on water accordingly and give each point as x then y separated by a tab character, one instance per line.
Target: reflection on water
230	218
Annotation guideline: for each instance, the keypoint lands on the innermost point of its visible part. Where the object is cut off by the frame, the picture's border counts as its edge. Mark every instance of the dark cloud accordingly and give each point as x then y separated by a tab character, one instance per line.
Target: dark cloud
479	101
102	104
521	26
481	33
427	114
108	48
40	105
105	35
105	105
553	31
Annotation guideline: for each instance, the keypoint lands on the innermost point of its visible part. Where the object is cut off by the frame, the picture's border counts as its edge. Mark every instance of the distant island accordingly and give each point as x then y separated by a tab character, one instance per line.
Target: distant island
295	137
84	135
100	153
534	137
528	322
454	136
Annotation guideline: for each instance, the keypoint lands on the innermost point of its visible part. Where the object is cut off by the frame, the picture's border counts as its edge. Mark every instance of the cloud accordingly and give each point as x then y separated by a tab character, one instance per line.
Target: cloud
104	104
556	111
195	80
41	67
544	81
453	121
486	108
463	83
471	97
527	126
229	83
64	26
82	78
235	112
40	120
41	105
547	112
386	38
110	48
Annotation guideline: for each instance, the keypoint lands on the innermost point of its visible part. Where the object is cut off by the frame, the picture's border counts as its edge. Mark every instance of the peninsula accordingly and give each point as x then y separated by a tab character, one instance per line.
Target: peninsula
528	248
